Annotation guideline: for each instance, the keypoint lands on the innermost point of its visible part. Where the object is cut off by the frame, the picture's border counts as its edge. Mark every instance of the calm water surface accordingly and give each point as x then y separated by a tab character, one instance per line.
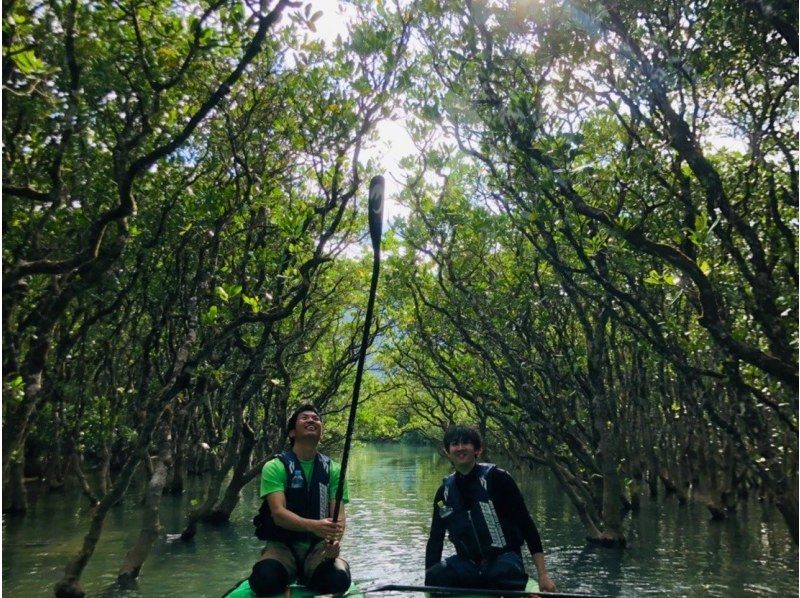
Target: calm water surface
672	550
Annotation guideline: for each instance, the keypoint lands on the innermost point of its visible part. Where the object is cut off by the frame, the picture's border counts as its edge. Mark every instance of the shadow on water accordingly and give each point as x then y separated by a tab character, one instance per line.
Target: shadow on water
671	549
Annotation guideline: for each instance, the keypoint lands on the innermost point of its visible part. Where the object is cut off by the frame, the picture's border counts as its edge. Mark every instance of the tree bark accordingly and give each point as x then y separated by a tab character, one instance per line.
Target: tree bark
69	586
585	511
708	488
105	469
77	469
202	512
786	502
55	463
608	448
241	477
637	486
151	526
15	496
177	479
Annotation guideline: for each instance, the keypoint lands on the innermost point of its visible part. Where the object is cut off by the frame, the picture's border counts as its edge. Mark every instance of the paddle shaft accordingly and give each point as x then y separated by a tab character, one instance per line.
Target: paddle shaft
375	226
478	591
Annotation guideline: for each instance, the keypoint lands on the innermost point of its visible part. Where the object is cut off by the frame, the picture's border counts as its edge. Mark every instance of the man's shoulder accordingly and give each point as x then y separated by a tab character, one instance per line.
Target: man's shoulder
334	465
273	477
495	467
492	466
498	473
274	465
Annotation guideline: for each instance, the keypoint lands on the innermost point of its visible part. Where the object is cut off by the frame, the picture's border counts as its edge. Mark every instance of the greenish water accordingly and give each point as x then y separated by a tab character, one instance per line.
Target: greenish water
672	550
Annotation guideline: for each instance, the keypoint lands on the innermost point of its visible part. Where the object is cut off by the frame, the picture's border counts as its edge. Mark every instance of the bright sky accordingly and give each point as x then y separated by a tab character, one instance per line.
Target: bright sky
394	141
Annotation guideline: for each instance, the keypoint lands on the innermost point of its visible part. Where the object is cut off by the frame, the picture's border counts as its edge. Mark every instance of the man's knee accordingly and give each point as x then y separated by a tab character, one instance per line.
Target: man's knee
331	577
440	575
507	573
268	577
455	571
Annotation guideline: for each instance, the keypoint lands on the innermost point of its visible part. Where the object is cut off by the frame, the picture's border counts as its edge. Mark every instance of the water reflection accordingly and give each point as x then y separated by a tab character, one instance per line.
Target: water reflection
672	550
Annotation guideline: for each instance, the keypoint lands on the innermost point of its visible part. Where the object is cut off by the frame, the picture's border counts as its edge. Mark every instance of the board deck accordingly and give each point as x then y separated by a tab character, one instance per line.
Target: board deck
531	587
242	590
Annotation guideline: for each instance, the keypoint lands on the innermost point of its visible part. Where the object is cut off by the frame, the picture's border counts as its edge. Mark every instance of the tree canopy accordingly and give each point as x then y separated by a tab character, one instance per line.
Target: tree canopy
598	265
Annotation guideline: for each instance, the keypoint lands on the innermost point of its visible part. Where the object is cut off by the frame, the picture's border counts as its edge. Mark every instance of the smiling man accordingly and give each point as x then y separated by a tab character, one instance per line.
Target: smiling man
483	512
298	487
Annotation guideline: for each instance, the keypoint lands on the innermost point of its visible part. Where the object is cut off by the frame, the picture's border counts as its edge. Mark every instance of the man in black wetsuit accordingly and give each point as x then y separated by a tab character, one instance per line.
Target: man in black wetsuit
484	514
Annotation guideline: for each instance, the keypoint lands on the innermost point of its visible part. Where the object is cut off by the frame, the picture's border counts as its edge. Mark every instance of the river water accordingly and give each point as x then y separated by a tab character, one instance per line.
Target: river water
672	550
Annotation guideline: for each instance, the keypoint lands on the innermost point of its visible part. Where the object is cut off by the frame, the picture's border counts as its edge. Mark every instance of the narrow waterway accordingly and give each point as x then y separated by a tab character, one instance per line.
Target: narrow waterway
672	550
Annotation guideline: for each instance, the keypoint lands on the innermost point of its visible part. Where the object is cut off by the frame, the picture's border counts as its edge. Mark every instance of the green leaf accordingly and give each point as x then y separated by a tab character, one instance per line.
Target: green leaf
653	277
221	293
27	62
237	12
252	302
701	222
210	316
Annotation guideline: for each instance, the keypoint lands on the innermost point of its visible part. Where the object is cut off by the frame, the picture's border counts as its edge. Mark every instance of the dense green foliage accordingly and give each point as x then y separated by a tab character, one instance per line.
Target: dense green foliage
180	182
598	264
600	259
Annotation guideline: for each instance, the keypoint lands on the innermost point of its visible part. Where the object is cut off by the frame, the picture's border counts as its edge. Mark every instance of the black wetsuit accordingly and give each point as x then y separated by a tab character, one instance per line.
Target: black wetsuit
505	570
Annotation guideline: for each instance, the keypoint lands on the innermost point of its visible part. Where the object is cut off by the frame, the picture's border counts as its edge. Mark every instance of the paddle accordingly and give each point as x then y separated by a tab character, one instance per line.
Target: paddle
478	591
375	228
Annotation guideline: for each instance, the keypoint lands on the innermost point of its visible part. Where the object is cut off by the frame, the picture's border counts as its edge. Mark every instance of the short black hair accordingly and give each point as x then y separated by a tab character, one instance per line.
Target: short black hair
292	421
462	433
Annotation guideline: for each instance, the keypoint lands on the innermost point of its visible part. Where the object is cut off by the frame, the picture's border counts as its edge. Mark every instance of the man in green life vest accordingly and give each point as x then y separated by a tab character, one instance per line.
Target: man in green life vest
298	488
482	510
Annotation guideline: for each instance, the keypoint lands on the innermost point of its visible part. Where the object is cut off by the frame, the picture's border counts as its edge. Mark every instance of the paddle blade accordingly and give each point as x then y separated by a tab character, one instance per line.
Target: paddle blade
376	211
